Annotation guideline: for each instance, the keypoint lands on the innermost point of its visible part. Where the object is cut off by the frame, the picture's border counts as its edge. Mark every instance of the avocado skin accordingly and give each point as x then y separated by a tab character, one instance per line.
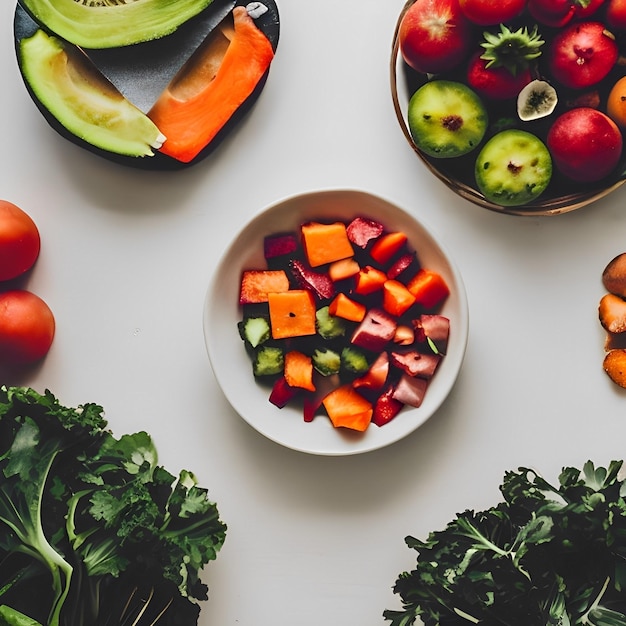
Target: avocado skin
269	23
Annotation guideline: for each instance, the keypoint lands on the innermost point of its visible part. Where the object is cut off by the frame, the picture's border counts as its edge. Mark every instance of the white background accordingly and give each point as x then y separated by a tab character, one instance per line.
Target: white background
126	260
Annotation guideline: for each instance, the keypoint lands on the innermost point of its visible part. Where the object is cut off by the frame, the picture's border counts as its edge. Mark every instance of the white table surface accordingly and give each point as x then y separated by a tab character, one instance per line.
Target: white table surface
126	259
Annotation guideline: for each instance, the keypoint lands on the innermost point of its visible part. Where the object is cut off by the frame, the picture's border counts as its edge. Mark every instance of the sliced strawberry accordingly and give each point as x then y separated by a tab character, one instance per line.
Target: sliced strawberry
362	230
386	407
406	264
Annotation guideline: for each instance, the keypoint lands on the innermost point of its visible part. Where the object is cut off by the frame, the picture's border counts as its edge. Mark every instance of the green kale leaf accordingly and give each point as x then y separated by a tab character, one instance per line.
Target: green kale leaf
547	555
92	530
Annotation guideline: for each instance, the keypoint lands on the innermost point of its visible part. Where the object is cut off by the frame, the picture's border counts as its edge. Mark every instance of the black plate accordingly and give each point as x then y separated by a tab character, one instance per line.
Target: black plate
142	71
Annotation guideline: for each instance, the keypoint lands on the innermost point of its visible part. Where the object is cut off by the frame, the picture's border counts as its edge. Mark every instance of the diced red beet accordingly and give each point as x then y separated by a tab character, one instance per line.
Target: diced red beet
282	393
415	363
280	245
361	230
434	327
310	406
376	375
386	407
319	283
375	331
403	265
410	390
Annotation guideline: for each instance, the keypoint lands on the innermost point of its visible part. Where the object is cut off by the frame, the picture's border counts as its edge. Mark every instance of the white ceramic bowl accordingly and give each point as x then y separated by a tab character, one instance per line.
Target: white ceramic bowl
232	366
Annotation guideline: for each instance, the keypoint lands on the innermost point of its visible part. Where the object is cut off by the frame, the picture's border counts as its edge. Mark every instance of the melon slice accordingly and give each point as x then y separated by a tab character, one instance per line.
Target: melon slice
112	24
74	92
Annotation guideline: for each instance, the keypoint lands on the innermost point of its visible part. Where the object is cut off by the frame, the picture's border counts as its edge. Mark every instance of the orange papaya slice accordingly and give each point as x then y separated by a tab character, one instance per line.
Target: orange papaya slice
211	86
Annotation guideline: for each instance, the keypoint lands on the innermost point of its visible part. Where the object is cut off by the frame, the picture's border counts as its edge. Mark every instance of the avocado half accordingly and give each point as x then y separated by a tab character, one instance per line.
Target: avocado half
130	140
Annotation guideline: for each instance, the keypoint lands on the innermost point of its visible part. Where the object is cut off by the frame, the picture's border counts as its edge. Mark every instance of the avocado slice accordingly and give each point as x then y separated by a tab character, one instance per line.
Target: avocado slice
65	83
110	23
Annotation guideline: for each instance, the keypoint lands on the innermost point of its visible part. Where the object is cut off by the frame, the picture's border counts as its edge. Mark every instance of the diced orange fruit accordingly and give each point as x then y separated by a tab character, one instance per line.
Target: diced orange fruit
386	246
299	370
347	408
257	284
429	288
342	269
346	308
292	313
397	299
325	243
369	279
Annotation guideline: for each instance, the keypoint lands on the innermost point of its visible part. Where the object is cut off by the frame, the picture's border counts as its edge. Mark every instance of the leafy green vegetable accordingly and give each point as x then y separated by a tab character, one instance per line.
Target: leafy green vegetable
546	555
92	530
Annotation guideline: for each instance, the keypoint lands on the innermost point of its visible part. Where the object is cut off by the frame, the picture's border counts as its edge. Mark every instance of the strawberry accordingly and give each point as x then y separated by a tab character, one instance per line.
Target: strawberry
497	83
386	407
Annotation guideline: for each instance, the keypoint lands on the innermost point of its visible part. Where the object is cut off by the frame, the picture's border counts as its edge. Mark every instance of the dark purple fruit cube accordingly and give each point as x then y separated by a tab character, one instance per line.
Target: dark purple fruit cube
280	245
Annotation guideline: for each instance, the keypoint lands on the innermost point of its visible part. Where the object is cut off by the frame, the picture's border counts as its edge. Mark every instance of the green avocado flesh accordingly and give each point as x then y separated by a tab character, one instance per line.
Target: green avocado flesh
513	168
446	119
112	23
82	100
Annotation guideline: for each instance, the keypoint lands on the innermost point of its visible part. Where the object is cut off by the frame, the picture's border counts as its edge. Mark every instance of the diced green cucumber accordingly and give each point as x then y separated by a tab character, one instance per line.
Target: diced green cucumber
327	362
329	326
255	330
354	361
268	361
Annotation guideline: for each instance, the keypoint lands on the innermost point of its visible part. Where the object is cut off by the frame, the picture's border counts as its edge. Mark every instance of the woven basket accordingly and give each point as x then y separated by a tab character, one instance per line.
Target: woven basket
561	196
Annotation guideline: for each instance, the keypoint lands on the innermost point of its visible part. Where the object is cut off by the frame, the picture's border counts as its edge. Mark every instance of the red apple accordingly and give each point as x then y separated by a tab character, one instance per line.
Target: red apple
616	14
582	54
585	144
434	36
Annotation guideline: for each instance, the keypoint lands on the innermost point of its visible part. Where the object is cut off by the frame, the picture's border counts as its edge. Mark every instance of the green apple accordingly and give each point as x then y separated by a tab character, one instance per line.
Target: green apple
513	168
446	119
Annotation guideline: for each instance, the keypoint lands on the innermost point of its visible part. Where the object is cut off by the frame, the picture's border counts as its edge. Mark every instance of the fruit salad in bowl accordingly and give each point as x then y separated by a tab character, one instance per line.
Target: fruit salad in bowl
335	323
520	106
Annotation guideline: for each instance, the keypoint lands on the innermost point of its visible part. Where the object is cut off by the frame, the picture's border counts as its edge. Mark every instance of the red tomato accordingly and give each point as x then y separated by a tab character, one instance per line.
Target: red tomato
495	82
19	241
434	35
616	14
26	327
488	12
